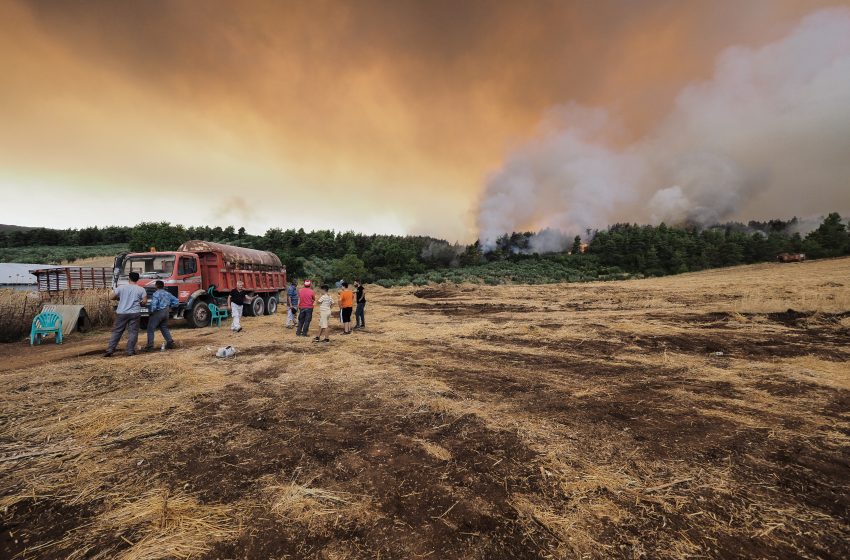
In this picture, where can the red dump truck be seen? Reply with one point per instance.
(202, 272)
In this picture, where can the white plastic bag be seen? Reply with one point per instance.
(225, 352)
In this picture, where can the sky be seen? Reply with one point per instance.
(372, 116)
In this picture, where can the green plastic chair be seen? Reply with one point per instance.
(46, 322)
(217, 314)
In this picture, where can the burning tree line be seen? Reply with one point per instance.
(618, 251)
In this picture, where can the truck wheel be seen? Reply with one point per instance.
(256, 307)
(199, 316)
(271, 304)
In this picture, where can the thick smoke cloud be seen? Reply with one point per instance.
(394, 111)
(767, 136)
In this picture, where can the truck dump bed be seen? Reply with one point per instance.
(224, 265)
(238, 256)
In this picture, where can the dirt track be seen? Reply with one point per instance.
(690, 416)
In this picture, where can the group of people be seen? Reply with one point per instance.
(131, 299)
(299, 302)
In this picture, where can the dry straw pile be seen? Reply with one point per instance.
(18, 308)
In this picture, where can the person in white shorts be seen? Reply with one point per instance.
(325, 304)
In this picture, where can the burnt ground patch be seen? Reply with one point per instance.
(782, 386)
(464, 309)
(589, 347)
(823, 343)
(817, 475)
(792, 318)
(456, 507)
(643, 412)
(827, 343)
(442, 292)
(635, 398)
(714, 320)
(33, 522)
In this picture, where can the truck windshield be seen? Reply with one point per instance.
(154, 266)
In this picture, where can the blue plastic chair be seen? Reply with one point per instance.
(46, 322)
(217, 314)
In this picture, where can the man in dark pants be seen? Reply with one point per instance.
(161, 304)
(306, 301)
(131, 298)
(360, 298)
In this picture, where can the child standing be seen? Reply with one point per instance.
(325, 304)
(346, 303)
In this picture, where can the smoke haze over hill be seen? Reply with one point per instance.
(768, 134)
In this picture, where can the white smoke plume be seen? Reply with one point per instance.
(767, 136)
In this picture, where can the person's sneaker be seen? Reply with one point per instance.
(326, 340)
(131, 354)
(316, 339)
(147, 348)
(107, 354)
(239, 329)
(170, 345)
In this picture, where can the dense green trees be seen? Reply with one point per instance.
(161, 236)
(622, 249)
(658, 250)
(28, 237)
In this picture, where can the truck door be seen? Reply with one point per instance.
(188, 277)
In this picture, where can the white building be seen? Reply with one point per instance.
(17, 275)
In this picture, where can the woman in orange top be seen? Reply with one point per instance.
(346, 302)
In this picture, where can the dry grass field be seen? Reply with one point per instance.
(704, 415)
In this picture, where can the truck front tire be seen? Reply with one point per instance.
(199, 316)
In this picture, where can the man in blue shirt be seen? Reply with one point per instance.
(161, 303)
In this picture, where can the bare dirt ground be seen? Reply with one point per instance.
(698, 416)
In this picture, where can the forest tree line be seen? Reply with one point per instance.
(621, 250)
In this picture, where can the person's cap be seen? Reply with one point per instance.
(308, 283)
